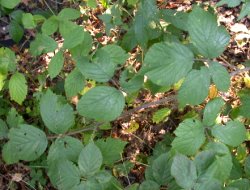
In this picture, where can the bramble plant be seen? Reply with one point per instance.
(178, 52)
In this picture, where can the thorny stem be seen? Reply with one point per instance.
(239, 71)
(227, 64)
(96, 126)
(164, 100)
(147, 105)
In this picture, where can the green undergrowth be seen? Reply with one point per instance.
(178, 51)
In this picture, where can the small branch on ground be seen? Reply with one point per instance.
(96, 126)
(239, 71)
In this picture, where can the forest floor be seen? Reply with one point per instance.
(138, 127)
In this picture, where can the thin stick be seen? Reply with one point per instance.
(125, 114)
(76, 131)
(49, 7)
(147, 105)
(239, 71)
(227, 63)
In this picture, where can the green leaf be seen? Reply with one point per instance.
(27, 142)
(50, 26)
(189, 137)
(178, 18)
(131, 85)
(17, 15)
(237, 170)
(74, 83)
(184, 171)
(149, 185)
(129, 40)
(132, 2)
(212, 110)
(3, 130)
(73, 38)
(209, 38)
(245, 103)
(90, 160)
(240, 184)
(245, 10)
(9, 4)
(146, 15)
(91, 3)
(117, 55)
(8, 155)
(107, 19)
(2, 80)
(16, 31)
(161, 114)
(195, 87)
(99, 100)
(111, 149)
(7, 61)
(56, 115)
(42, 44)
(208, 184)
(84, 48)
(230, 3)
(65, 148)
(161, 169)
(233, 134)
(221, 167)
(66, 27)
(220, 76)
(167, 63)
(102, 70)
(247, 166)
(65, 175)
(13, 118)
(203, 160)
(56, 64)
(18, 88)
(69, 14)
(28, 21)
